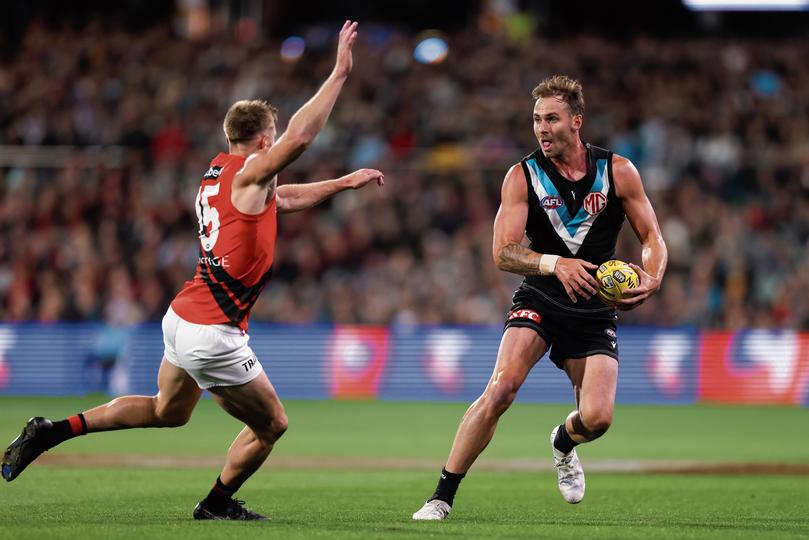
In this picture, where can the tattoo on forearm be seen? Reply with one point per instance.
(518, 259)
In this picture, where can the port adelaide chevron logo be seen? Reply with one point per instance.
(594, 203)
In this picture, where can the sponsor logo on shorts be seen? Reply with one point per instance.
(551, 201)
(249, 364)
(594, 203)
(610, 332)
(525, 314)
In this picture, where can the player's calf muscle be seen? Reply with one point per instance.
(134, 411)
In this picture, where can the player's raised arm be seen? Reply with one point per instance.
(295, 197)
(306, 123)
(641, 216)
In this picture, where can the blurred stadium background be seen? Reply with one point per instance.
(110, 112)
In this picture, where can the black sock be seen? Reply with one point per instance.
(63, 430)
(447, 486)
(219, 496)
(562, 441)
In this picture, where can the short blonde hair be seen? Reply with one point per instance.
(568, 89)
(247, 118)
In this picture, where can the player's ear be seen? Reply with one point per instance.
(578, 120)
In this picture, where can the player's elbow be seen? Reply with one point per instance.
(504, 257)
(497, 256)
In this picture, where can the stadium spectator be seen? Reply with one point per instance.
(718, 129)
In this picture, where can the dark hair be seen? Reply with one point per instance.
(247, 118)
(565, 87)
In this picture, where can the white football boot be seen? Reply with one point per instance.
(432, 511)
(569, 471)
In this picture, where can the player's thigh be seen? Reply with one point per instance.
(255, 403)
(520, 350)
(594, 379)
(177, 392)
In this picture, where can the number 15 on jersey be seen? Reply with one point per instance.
(207, 217)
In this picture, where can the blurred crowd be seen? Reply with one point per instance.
(718, 129)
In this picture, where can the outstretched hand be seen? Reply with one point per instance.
(344, 61)
(359, 178)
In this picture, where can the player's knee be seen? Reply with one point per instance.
(279, 426)
(597, 423)
(501, 395)
(168, 416)
(273, 430)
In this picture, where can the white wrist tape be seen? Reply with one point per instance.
(547, 264)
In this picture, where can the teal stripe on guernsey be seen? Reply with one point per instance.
(598, 185)
(547, 185)
(573, 223)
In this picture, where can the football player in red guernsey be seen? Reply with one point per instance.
(205, 329)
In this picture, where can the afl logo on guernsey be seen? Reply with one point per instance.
(551, 201)
(594, 203)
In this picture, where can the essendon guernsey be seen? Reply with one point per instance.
(235, 252)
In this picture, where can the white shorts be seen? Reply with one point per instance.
(213, 354)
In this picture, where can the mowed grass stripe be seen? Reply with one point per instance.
(107, 503)
(416, 430)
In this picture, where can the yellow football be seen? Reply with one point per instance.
(614, 277)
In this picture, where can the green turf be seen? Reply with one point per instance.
(425, 430)
(102, 503)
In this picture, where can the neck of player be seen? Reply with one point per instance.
(572, 163)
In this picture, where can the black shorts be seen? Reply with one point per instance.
(570, 334)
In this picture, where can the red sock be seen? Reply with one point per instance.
(77, 424)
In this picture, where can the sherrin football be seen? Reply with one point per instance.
(614, 277)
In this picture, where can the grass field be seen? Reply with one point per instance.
(359, 470)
